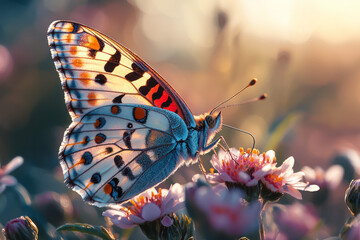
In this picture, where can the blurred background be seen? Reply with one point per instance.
(305, 54)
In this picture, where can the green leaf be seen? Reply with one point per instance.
(98, 231)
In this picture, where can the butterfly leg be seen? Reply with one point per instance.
(202, 168)
(217, 141)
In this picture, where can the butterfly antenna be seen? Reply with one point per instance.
(252, 83)
(262, 97)
(237, 129)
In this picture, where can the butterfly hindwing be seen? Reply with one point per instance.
(114, 152)
(96, 71)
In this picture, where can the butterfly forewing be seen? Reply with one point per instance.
(96, 70)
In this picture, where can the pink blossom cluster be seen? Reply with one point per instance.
(250, 168)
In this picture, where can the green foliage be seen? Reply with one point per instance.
(98, 231)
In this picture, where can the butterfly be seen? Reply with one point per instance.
(130, 129)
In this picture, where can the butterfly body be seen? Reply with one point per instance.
(130, 129)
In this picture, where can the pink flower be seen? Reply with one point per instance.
(149, 206)
(354, 232)
(5, 179)
(329, 179)
(241, 167)
(283, 180)
(226, 211)
(295, 221)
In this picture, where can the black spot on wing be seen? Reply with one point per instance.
(113, 62)
(158, 93)
(144, 161)
(76, 27)
(118, 160)
(167, 103)
(100, 79)
(95, 178)
(136, 74)
(137, 69)
(128, 173)
(87, 158)
(150, 83)
(127, 138)
(92, 53)
(101, 43)
(132, 76)
(118, 99)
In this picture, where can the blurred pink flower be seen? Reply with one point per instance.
(6, 63)
(330, 178)
(295, 221)
(241, 167)
(148, 207)
(283, 179)
(354, 232)
(227, 211)
(5, 179)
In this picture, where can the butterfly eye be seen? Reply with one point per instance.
(210, 121)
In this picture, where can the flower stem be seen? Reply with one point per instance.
(261, 228)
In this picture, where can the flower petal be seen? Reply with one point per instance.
(270, 154)
(13, 164)
(150, 212)
(292, 191)
(167, 221)
(310, 173)
(288, 164)
(334, 175)
(124, 223)
(8, 180)
(113, 213)
(136, 219)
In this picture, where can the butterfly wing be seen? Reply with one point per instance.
(114, 152)
(95, 71)
(129, 125)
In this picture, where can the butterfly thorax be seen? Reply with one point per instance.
(207, 125)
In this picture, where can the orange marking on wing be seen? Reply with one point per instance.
(68, 38)
(154, 135)
(89, 41)
(139, 113)
(73, 50)
(82, 142)
(68, 28)
(88, 185)
(172, 107)
(77, 62)
(85, 78)
(97, 123)
(92, 43)
(98, 139)
(107, 188)
(152, 91)
(115, 109)
(92, 99)
(82, 160)
(162, 99)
